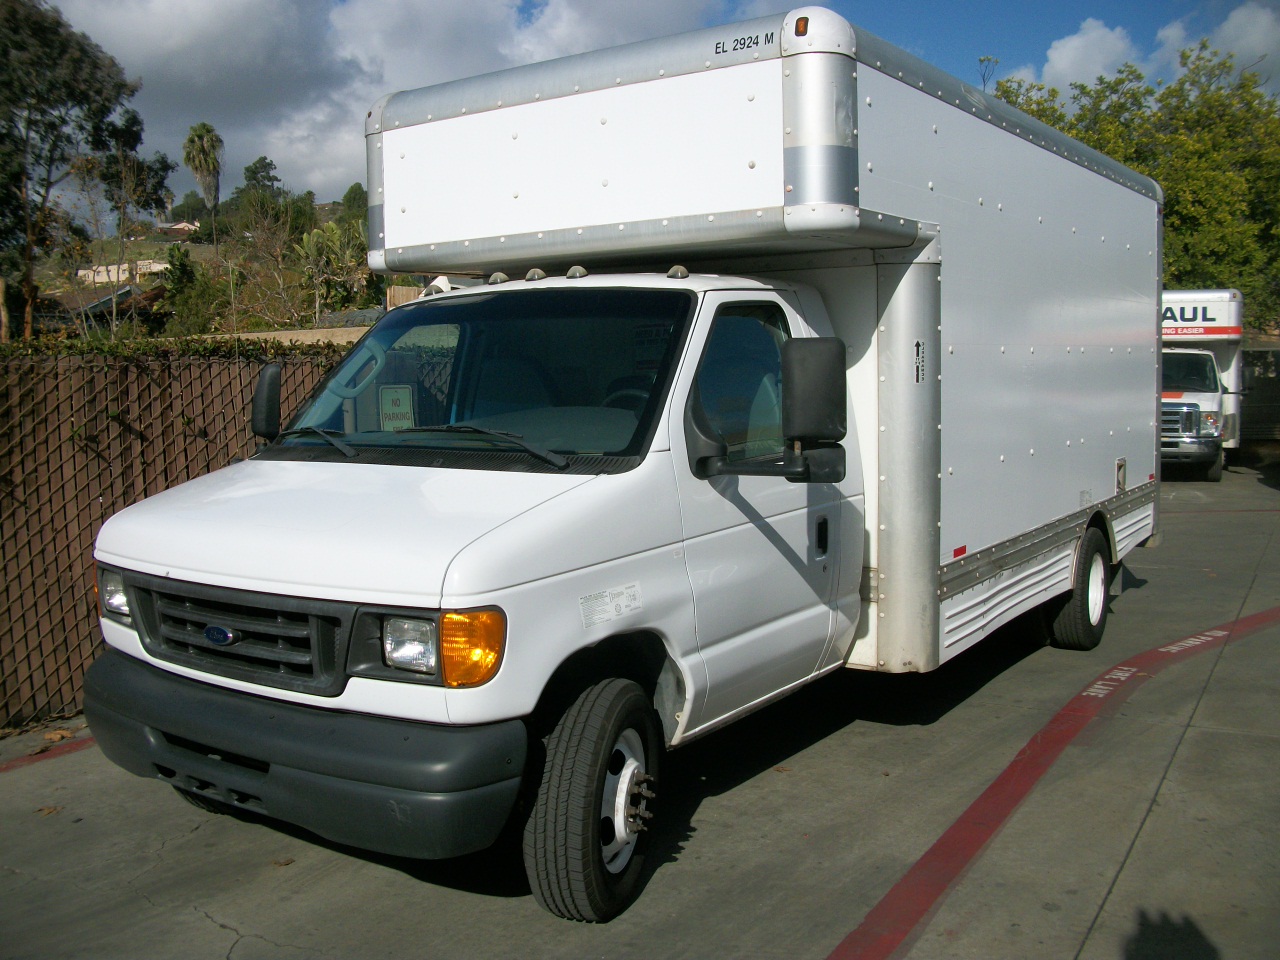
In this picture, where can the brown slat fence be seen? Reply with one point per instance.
(81, 438)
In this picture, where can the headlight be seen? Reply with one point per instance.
(410, 644)
(457, 648)
(1210, 425)
(112, 599)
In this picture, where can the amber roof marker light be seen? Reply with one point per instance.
(802, 26)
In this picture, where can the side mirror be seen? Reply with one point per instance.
(265, 418)
(815, 407)
(814, 420)
(814, 391)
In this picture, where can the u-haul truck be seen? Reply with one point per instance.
(1203, 377)
(794, 355)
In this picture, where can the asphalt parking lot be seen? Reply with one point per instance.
(1021, 802)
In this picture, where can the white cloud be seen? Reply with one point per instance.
(223, 59)
(1162, 64)
(259, 70)
(561, 27)
(1092, 51)
(1252, 33)
(292, 79)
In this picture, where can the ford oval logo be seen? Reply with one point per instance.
(221, 635)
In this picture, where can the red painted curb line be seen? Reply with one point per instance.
(914, 897)
(61, 750)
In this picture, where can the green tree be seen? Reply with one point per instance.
(195, 299)
(1211, 139)
(986, 69)
(188, 208)
(355, 205)
(333, 260)
(1040, 101)
(57, 89)
(267, 229)
(1218, 138)
(202, 155)
(11, 231)
(260, 176)
(313, 256)
(132, 183)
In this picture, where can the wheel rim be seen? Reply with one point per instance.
(623, 802)
(1097, 588)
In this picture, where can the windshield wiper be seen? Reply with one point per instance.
(547, 456)
(329, 436)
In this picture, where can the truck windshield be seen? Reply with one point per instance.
(1189, 372)
(532, 380)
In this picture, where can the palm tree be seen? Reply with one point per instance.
(202, 153)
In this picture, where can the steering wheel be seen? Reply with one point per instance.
(378, 353)
(627, 398)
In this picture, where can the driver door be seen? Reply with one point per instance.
(761, 551)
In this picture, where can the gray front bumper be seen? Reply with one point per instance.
(394, 786)
(1190, 449)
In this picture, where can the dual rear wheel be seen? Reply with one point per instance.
(1076, 621)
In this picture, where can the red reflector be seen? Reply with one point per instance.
(802, 26)
(959, 552)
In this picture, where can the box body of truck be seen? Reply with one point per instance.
(795, 354)
(1202, 332)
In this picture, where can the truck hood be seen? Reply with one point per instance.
(1205, 401)
(368, 533)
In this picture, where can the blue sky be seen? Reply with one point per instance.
(1020, 34)
(292, 79)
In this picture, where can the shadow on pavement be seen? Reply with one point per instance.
(1162, 938)
(725, 760)
(730, 757)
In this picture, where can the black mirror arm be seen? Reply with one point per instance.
(794, 465)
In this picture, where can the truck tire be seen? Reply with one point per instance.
(1078, 625)
(585, 840)
(1213, 473)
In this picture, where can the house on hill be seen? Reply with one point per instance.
(182, 230)
(121, 273)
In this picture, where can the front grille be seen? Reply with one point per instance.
(1179, 420)
(286, 642)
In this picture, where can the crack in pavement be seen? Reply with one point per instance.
(240, 937)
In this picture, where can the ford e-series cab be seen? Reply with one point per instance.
(785, 356)
(1202, 332)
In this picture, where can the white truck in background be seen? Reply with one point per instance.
(1202, 377)
(795, 354)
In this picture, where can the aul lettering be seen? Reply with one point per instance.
(1187, 315)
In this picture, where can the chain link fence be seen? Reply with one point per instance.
(81, 438)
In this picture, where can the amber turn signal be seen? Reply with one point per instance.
(471, 643)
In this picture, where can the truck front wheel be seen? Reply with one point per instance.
(1078, 625)
(1213, 472)
(586, 839)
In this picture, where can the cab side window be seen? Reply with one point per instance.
(739, 381)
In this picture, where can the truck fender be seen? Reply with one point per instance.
(641, 656)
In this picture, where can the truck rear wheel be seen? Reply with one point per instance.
(1078, 625)
(586, 840)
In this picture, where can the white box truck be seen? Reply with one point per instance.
(1202, 378)
(795, 354)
